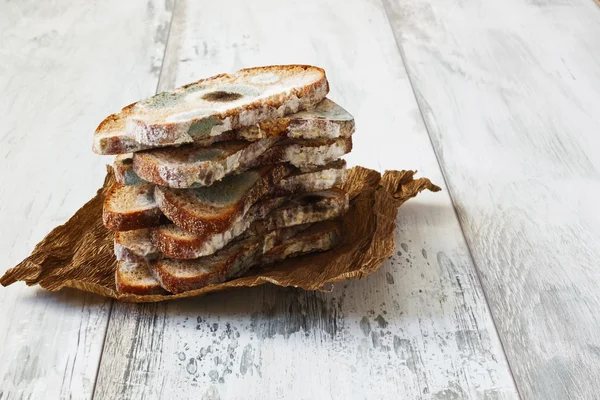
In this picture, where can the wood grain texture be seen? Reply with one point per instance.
(417, 328)
(66, 64)
(510, 92)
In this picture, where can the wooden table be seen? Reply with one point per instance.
(494, 292)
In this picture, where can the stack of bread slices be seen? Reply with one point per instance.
(222, 175)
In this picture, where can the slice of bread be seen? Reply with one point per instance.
(304, 153)
(124, 173)
(327, 120)
(135, 278)
(321, 236)
(174, 242)
(182, 275)
(323, 176)
(313, 179)
(177, 243)
(135, 246)
(308, 208)
(215, 105)
(130, 207)
(305, 179)
(238, 257)
(278, 236)
(269, 215)
(124, 212)
(212, 210)
(194, 166)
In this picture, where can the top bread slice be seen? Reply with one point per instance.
(327, 120)
(212, 106)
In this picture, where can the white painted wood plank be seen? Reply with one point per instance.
(418, 328)
(65, 65)
(511, 92)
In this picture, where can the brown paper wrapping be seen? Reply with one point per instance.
(79, 254)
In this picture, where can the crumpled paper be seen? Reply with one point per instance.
(79, 253)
